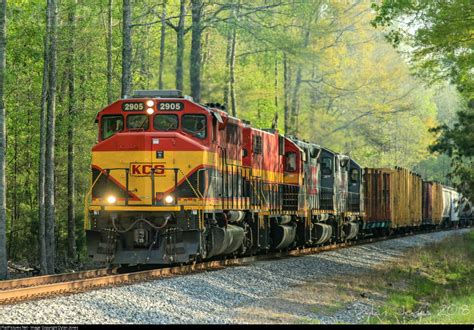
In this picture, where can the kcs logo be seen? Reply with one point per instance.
(145, 169)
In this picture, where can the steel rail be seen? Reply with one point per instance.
(50, 279)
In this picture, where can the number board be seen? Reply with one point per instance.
(171, 106)
(133, 106)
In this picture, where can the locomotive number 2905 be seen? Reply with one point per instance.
(171, 106)
(133, 106)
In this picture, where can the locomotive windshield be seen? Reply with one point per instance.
(195, 125)
(165, 122)
(111, 125)
(137, 122)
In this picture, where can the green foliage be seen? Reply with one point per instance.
(439, 34)
(458, 143)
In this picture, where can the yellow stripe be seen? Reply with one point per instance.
(142, 208)
(184, 160)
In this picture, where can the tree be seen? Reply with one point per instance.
(441, 47)
(110, 97)
(442, 41)
(70, 62)
(458, 143)
(162, 45)
(195, 59)
(42, 150)
(50, 206)
(3, 207)
(229, 90)
(127, 49)
(180, 32)
(313, 16)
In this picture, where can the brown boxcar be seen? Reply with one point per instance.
(432, 203)
(393, 197)
(377, 197)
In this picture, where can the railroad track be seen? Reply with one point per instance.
(14, 291)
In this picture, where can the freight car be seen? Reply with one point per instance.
(451, 199)
(432, 203)
(175, 181)
(466, 212)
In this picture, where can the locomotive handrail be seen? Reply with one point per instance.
(86, 202)
(197, 193)
(237, 171)
(259, 191)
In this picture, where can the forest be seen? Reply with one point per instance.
(388, 83)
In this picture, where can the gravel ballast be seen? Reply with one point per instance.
(215, 297)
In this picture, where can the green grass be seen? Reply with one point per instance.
(434, 284)
(308, 320)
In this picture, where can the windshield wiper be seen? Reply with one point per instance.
(139, 128)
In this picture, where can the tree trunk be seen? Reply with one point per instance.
(206, 52)
(286, 92)
(127, 49)
(233, 101)
(162, 45)
(275, 83)
(229, 94)
(294, 99)
(227, 70)
(294, 110)
(42, 162)
(110, 97)
(14, 213)
(3, 185)
(71, 226)
(180, 46)
(195, 58)
(142, 54)
(50, 139)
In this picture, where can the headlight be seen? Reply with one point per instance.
(150, 111)
(169, 199)
(111, 199)
(150, 103)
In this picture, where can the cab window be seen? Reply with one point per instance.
(165, 122)
(354, 175)
(257, 145)
(196, 125)
(290, 165)
(326, 166)
(137, 122)
(111, 125)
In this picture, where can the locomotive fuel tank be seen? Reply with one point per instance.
(322, 233)
(225, 240)
(351, 229)
(283, 236)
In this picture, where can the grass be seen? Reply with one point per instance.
(434, 284)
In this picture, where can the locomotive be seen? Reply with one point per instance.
(175, 181)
